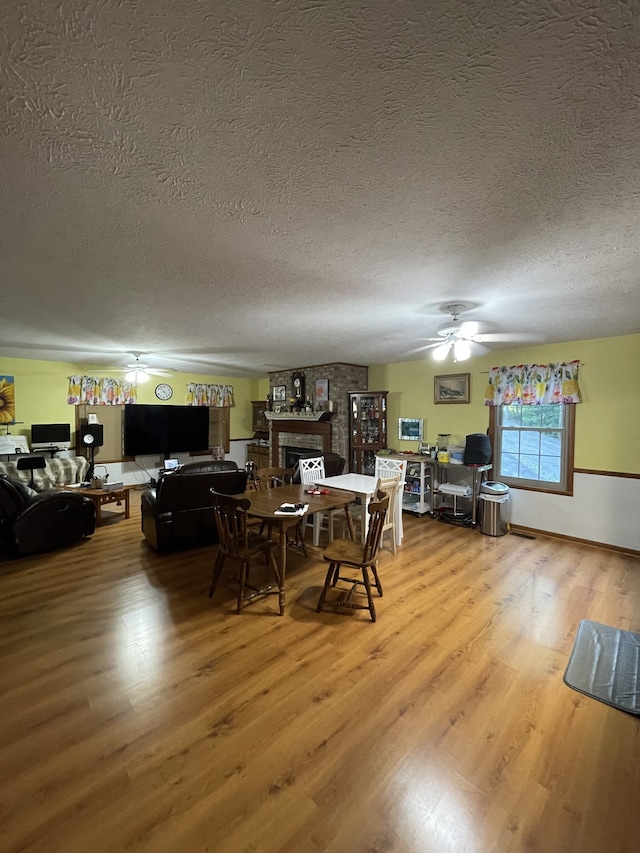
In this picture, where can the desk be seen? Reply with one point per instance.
(362, 485)
(264, 503)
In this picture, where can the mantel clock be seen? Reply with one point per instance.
(297, 380)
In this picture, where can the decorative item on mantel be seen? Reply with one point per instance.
(298, 383)
(298, 416)
(322, 390)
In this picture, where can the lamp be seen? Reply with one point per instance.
(30, 463)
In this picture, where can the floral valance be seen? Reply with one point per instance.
(100, 391)
(218, 396)
(533, 385)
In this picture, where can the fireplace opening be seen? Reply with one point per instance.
(292, 454)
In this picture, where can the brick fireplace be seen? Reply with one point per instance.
(327, 435)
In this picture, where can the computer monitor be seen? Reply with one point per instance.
(44, 436)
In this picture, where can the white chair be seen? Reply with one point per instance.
(390, 486)
(387, 467)
(312, 470)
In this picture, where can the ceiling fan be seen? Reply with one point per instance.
(139, 371)
(454, 335)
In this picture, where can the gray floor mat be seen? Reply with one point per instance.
(605, 664)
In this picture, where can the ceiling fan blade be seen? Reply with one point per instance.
(157, 372)
(468, 329)
(425, 347)
(505, 337)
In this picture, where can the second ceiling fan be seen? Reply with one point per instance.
(139, 371)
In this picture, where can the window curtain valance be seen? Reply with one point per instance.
(100, 391)
(533, 385)
(218, 396)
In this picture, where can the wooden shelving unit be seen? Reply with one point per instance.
(367, 429)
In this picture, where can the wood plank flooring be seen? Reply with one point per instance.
(139, 715)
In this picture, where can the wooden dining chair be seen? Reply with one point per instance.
(350, 554)
(239, 543)
(387, 467)
(390, 486)
(273, 478)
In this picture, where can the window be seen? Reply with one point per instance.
(533, 446)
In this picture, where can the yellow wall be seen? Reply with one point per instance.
(607, 421)
(41, 392)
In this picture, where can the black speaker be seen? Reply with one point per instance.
(92, 435)
(477, 449)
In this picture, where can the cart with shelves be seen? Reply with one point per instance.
(417, 495)
(418, 484)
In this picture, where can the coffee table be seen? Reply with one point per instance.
(100, 497)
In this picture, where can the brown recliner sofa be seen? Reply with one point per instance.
(178, 512)
(32, 522)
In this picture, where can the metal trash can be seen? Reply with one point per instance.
(494, 508)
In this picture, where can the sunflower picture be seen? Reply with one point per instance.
(7, 400)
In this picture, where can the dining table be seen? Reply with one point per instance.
(265, 502)
(361, 485)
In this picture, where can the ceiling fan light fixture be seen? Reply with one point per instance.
(137, 376)
(442, 351)
(461, 350)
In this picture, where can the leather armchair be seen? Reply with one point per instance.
(178, 513)
(30, 523)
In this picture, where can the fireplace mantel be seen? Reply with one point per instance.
(299, 426)
(297, 416)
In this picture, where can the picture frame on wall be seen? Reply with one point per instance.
(279, 393)
(322, 390)
(453, 388)
(410, 429)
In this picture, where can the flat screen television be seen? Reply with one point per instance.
(50, 435)
(165, 429)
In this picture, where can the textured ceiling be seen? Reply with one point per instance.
(235, 187)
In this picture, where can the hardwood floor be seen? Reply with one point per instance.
(137, 714)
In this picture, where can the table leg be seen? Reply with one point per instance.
(474, 497)
(347, 512)
(98, 505)
(283, 565)
(126, 503)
